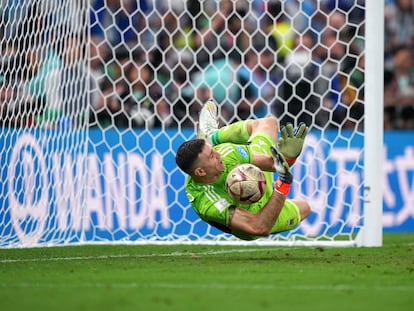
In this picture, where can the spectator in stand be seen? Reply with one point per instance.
(224, 31)
(242, 90)
(353, 96)
(398, 75)
(15, 104)
(257, 83)
(399, 26)
(116, 29)
(30, 55)
(399, 90)
(109, 106)
(295, 101)
(69, 86)
(210, 41)
(172, 60)
(337, 56)
(41, 57)
(221, 48)
(172, 31)
(329, 85)
(219, 77)
(145, 105)
(97, 66)
(117, 22)
(237, 33)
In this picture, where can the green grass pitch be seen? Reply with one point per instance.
(104, 277)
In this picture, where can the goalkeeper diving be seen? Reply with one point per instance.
(209, 158)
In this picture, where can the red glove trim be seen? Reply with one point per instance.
(290, 161)
(282, 187)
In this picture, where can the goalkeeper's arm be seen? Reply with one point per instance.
(261, 223)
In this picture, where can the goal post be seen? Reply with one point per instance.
(371, 234)
(97, 96)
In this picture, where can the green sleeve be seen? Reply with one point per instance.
(211, 204)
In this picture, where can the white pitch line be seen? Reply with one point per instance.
(174, 254)
(216, 286)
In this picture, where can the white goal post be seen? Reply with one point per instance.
(96, 97)
(371, 234)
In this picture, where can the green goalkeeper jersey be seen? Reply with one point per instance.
(211, 201)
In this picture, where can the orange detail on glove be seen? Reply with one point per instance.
(282, 187)
(290, 161)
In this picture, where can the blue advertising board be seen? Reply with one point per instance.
(398, 180)
(124, 185)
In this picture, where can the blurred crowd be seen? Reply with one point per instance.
(153, 63)
(399, 65)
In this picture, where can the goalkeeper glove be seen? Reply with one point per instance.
(285, 179)
(291, 143)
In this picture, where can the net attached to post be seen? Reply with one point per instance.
(96, 97)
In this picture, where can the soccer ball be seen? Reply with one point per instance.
(246, 183)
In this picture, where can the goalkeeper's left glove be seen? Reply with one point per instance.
(291, 143)
(285, 179)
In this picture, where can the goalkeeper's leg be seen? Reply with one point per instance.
(243, 132)
(239, 132)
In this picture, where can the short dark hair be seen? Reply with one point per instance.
(187, 154)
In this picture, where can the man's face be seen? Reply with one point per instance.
(210, 163)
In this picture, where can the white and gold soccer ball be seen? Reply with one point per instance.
(246, 183)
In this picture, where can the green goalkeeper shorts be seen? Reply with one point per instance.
(288, 219)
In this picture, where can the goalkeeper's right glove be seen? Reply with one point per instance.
(285, 179)
(292, 140)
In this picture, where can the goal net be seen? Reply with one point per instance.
(96, 96)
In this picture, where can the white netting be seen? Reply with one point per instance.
(96, 96)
